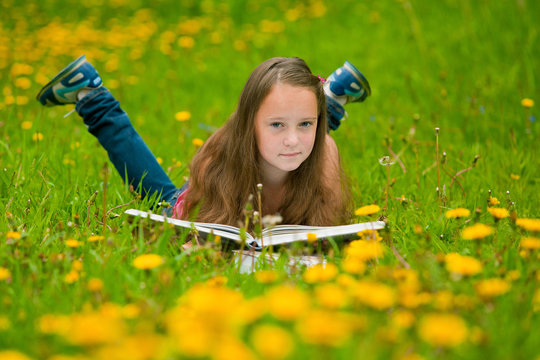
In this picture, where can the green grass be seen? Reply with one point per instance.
(459, 66)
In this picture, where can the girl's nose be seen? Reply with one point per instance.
(291, 138)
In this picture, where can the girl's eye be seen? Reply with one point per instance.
(276, 125)
(306, 123)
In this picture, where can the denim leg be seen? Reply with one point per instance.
(131, 157)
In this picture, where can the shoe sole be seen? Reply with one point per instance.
(61, 75)
(358, 75)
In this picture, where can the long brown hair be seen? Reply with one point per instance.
(226, 170)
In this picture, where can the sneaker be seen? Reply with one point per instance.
(65, 86)
(347, 84)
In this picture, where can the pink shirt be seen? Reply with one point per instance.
(178, 212)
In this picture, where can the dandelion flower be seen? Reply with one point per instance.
(457, 213)
(331, 296)
(272, 342)
(529, 224)
(95, 238)
(446, 330)
(26, 125)
(266, 276)
(198, 142)
(374, 294)
(71, 277)
(37, 136)
(327, 328)
(311, 237)
(367, 210)
(159, 160)
(527, 103)
(498, 213)
(183, 116)
(94, 285)
(287, 303)
(403, 318)
(4, 273)
(13, 355)
(364, 250)
(186, 42)
(476, 232)
(514, 177)
(13, 235)
(23, 83)
(147, 261)
(320, 273)
(490, 288)
(73, 243)
(463, 265)
(493, 201)
(530, 243)
(369, 234)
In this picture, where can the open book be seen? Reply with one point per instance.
(276, 235)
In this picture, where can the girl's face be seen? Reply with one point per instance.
(285, 129)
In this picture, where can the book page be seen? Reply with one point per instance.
(299, 233)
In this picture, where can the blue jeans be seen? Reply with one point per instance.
(129, 154)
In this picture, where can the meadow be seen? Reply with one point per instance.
(455, 275)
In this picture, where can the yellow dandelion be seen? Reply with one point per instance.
(73, 243)
(457, 213)
(463, 265)
(21, 69)
(369, 234)
(147, 261)
(352, 265)
(186, 42)
(198, 142)
(490, 288)
(320, 273)
(403, 319)
(272, 342)
(77, 265)
(13, 355)
(94, 285)
(287, 303)
(331, 296)
(4, 273)
(13, 235)
(71, 277)
(498, 213)
(9, 100)
(5, 324)
(373, 294)
(266, 276)
(183, 116)
(530, 243)
(21, 100)
(493, 201)
(445, 330)
(37, 136)
(367, 210)
(159, 160)
(529, 224)
(95, 238)
(23, 83)
(514, 177)
(476, 232)
(327, 328)
(364, 250)
(311, 237)
(527, 103)
(26, 125)
(131, 311)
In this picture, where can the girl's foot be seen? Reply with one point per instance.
(343, 86)
(64, 87)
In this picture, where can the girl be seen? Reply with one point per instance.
(277, 137)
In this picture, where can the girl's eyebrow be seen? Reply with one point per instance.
(284, 118)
